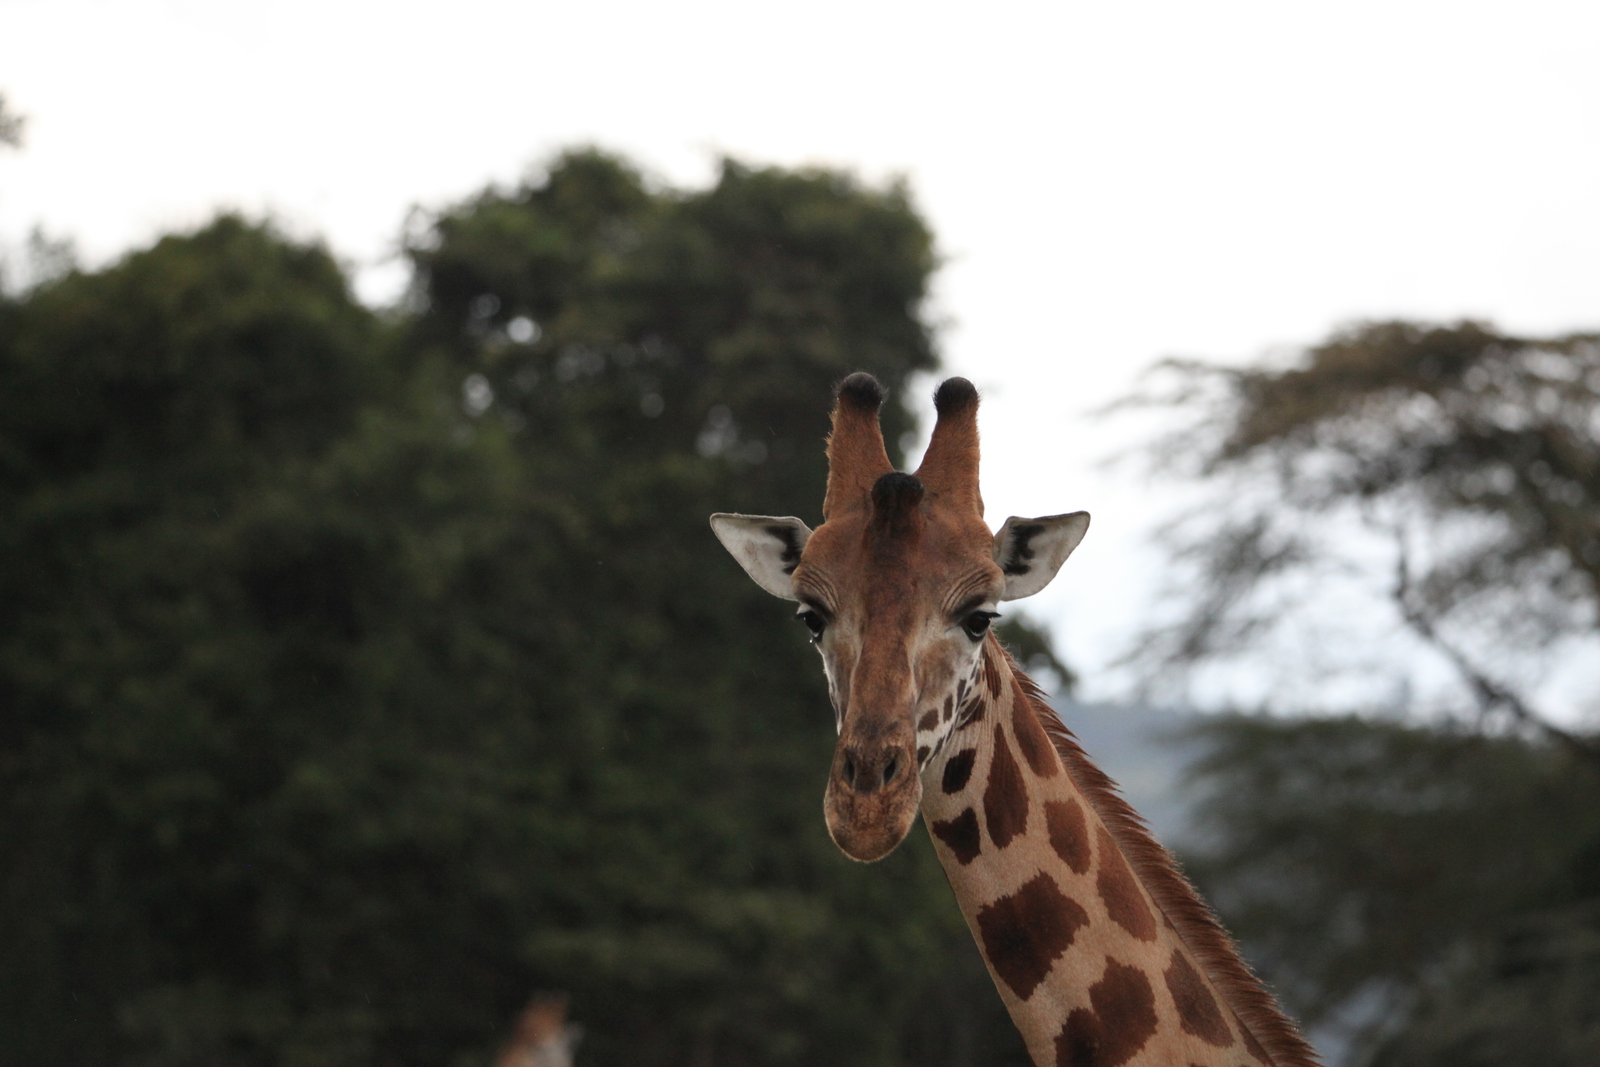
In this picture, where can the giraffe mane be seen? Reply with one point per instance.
(1196, 924)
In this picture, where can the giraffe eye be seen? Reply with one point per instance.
(813, 623)
(977, 624)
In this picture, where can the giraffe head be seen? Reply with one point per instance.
(898, 587)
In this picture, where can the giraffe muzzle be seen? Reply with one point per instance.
(873, 795)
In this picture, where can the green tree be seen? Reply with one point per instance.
(362, 674)
(162, 659)
(652, 358)
(1428, 888)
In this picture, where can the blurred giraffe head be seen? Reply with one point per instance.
(898, 587)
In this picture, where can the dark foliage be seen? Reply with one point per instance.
(1429, 892)
(361, 674)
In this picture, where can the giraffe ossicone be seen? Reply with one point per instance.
(1100, 949)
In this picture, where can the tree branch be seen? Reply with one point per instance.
(1491, 695)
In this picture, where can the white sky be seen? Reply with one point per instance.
(1109, 183)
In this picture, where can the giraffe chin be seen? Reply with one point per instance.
(868, 828)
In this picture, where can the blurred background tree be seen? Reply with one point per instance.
(10, 125)
(1428, 886)
(362, 673)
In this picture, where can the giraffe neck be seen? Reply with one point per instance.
(1100, 949)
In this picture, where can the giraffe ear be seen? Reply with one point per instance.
(1030, 551)
(767, 548)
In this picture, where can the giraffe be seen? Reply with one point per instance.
(543, 1037)
(1101, 950)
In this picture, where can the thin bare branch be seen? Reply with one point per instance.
(1491, 695)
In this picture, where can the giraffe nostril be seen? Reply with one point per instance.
(891, 768)
(848, 771)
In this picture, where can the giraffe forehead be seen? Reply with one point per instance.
(933, 565)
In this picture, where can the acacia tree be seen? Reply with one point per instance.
(1412, 881)
(1453, 470)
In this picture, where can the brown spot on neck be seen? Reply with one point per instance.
(1069, 833)
(957, 770)
(1005, 798)
(1262, 1025)
(1025, 932)
(960, 836)
(1120, 1019)
(1197, 1007)
(1120, 891)
(1031, 739)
